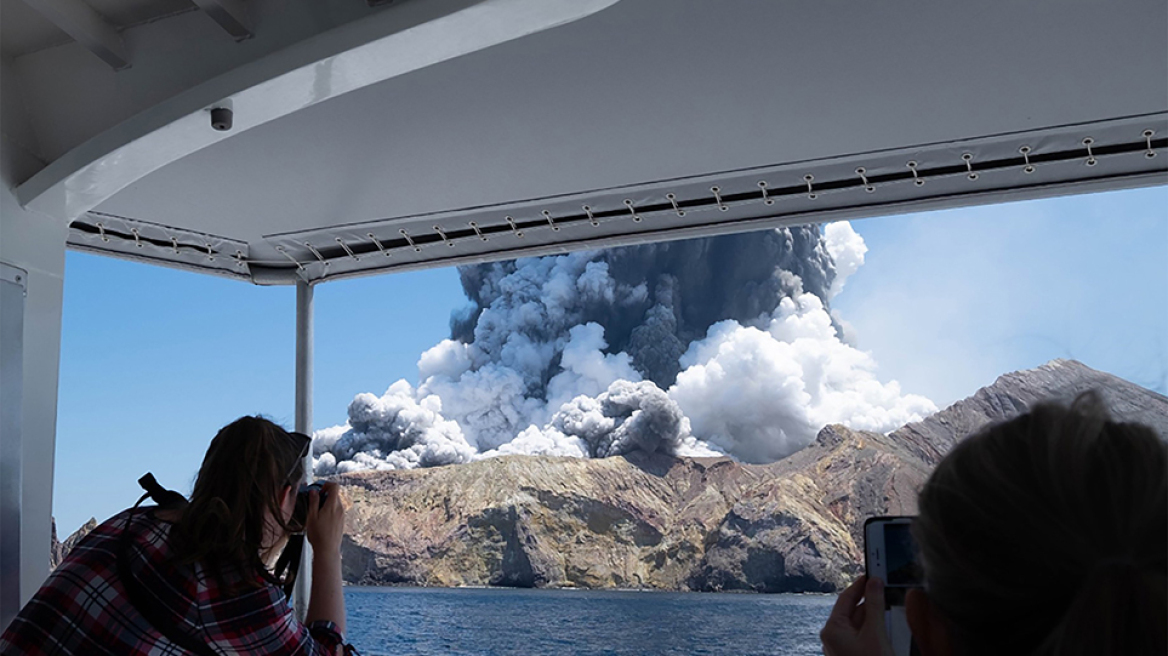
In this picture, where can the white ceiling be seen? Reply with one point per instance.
(652, 91)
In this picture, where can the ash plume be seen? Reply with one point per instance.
(652, 299)
(722, 345)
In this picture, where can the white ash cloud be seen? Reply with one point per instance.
(762, 393)
(709, 346)
(847, 249)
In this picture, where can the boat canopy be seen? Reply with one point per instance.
(431, 133)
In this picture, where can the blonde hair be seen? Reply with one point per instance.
(1048, 534)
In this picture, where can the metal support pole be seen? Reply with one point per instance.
(13, 283)
(32, 251)
(304, 341)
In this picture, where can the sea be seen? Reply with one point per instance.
(512, 622)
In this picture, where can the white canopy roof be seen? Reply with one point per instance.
(428, 133)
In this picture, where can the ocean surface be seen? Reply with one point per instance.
(508, 622)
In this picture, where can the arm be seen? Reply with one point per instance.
(325, 527)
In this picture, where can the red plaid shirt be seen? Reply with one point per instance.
(83, 608)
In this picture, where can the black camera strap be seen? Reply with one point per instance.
(288, 565)
(136, 592)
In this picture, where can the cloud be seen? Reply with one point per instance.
(847, 249)
(717, 345)
(764, 393)
(397, 430)
(628, 416)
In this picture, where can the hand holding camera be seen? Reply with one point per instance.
(324, 516)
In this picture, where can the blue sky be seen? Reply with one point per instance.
(154, 361)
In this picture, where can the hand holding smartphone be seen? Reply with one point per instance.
(890, 554)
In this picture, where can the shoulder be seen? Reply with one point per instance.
(83, 598)
(139, 542)
(103, 542)
(133, 520)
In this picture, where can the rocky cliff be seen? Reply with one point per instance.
(58, 550)
(653, 521)
(1011, 394)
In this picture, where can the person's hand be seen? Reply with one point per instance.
(324, 528)
(855, 628)
(326, 523)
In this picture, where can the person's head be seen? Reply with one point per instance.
(1046, 534)
(243, 497)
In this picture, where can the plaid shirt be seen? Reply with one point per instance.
(83, 608)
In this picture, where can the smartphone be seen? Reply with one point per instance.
(890, 554)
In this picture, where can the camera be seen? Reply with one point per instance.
(300, 513)
(222, 118)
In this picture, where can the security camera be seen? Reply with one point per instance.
(221, 119)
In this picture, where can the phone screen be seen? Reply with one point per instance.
(902, 568)
(891, 555)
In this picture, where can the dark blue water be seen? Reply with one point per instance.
(507, 622)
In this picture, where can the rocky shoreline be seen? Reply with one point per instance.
(652, 521)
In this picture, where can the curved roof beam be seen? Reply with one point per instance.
(85, 26)
(231, 15)
(325, 66)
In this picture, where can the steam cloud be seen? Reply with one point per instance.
(723, 345)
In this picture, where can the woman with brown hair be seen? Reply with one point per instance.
(1043, 535)
(195, 578)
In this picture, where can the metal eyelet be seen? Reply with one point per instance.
(917, 179)
(410, 240)
(968, 158)
(514, 228)
(718, 197)
(548, 215)
(762, 185)
(377, 243)
(348, 250)
(442, 234)
(863, 173)
(1029, 168)
(633, 211)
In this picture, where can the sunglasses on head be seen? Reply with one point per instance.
(304, 443)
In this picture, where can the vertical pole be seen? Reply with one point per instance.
(32, 246)
(304, 341)
(12, 294)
